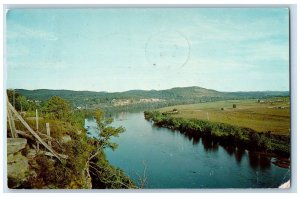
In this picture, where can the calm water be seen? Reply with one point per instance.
(173, 160)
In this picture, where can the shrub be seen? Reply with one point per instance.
(225, 133)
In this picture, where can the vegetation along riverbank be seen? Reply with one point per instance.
(223, 133)
(84, 166)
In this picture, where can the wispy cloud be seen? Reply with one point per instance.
(223, 29)
(263, 51)
(210, 65)
(120, 47)
(19, 31)
(17, 51)
(50, 65)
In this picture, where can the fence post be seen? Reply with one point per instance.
(11, 124)
(48, 133)
(36, 120)
(58, 156)
(11, 121)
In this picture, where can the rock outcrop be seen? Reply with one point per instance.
(15, 144)
(17, 164)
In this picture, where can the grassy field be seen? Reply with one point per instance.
(271, 114)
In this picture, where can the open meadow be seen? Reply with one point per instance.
(272, 114)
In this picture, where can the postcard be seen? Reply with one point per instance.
(148, 98)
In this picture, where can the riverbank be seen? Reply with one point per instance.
(225, 134)
(171, 159)
(80, 162)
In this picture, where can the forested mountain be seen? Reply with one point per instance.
(185, 92)
(142, 99)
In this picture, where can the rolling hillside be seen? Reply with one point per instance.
(143, 99)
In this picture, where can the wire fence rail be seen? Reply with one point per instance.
(33, 135)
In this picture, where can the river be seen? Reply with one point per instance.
(173, 160)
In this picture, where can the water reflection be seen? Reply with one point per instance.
(120, 116)
(239, 153)
(256, 160)
(260, 160)
(91, 127)
(264, 162)
(253, 159)
(209, 144)
(229, 149)
(171, 157)
(196, 140)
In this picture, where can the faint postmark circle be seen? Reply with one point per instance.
(167, 49)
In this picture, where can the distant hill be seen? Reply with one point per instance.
(184, 92)
(173, 96)
(178, 92)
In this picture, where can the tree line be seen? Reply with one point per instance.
(225, 134)
(86, 158)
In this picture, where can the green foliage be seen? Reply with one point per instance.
(19, 101)
(12, 95)
(73, 172)
(106, 131)
(69, 174)
(105, 176)
(98, 115)
(23, 103)
(57, 107)
(170, 97)
(224, 133)
(76, 118)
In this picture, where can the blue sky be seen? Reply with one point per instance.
(227, 49)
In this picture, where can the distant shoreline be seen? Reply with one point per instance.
(134, 89)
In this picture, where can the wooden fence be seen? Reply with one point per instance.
(36, 135)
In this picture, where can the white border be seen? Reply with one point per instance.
(192, 3)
